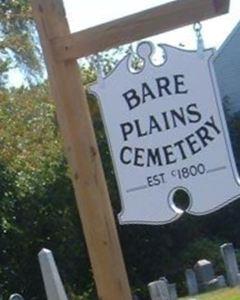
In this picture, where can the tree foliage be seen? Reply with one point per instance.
(37, 207)
(18, 40)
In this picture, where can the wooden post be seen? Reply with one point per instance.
(60, 51)
(83, 156)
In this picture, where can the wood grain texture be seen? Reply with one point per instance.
(135, 27)
(83, 156)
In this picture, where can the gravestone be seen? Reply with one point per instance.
(204, 272)
(191, 281)
(159, 290)
(205, 275)
(206, 278)
(16, 297)
(172, 289)
(221, 282)
(230, 262)
(52, 281)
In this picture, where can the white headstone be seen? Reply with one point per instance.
(221, 282)
(159, 290)
(172, 289)
(191, 281)
(166, 129)
(52, 281)
(231, 265)
(204, 271)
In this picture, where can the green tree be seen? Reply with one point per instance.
(18, 40)
(37, 207)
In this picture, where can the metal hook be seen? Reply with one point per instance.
(197, 27)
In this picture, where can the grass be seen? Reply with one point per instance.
(223, 294)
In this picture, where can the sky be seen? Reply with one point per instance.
(82, 14)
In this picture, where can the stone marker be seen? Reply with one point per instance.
(52, 281)
(204, 274)
(206, 278)
(230, 262)
(191, 281)
(159, 290)
(212, 285)
(221, 282)
(16, 297)
(172, 289)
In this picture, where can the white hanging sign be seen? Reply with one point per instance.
(166, 129)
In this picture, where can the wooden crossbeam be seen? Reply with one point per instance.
(137, 26)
